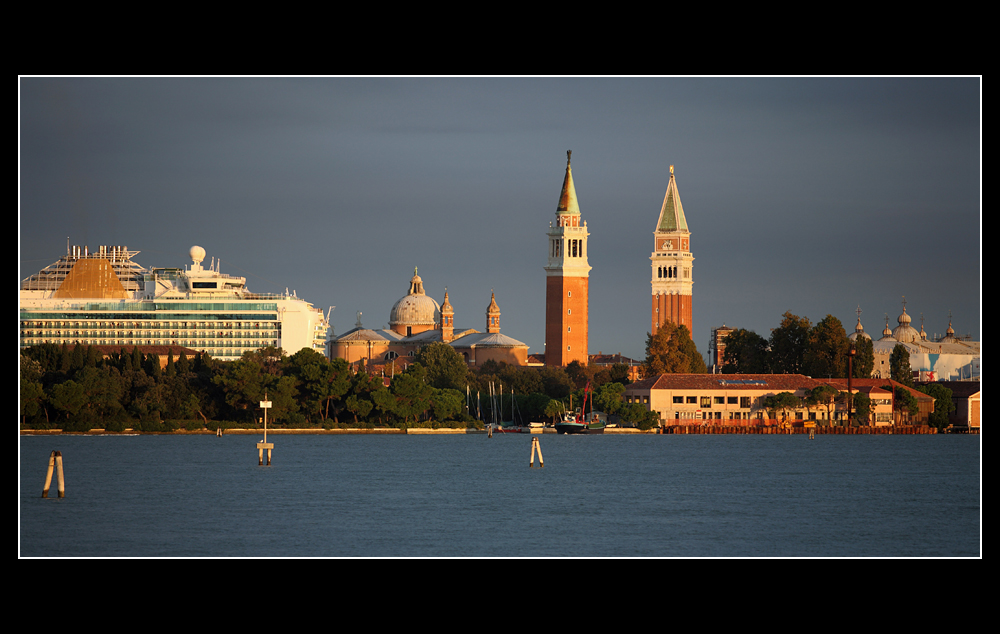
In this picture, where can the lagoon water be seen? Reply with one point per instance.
(474, 496)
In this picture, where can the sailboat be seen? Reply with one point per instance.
(578, 424)
(511, 426)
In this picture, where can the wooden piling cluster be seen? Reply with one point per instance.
(536, 447)
(55, 462)
(775, 430)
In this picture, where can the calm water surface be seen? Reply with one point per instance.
(473, 496)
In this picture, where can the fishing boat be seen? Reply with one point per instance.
(579, 424)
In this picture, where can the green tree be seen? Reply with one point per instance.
(411, 393)
(943, 405)
(578, 374)
(32, 399)
(782, 401)
(671, 350)
(359, 406)
(554, 410)
(899, 365)
(904, 402)
(862, 409)
(863, 364)
(556, 383)
(243, 383)
(788, 344)
(319, 381)
(446, 404)
(746, 352)
(826, 349)
(823, 395)
(638, 415)
(446, 369)
(68, 398)
(609, 398)
(619, 374)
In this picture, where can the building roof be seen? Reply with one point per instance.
(672, 212)
(567, 197)
(416, 307)
(777, 382)
(362, 334)
(858, 384)
(486, 340)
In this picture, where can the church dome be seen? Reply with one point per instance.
(859, 330)
(415, 309)
(904, 332)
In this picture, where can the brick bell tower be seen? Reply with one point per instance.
(672, 264)
(567, 281)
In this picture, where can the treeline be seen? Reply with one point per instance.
(74, 388)
(797, 346)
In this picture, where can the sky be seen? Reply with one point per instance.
(814, 195)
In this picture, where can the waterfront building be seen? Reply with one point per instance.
(738, 399)
(672, 264)
(417, 320)
(105, 298)
(567, 279)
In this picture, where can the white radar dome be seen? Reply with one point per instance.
(197, 254)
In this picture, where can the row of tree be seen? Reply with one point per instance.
(75, 388)
(797, 346)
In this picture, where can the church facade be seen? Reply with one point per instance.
(417, 320)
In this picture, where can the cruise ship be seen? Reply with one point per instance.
(105, 298)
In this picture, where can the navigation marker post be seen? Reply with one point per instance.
(55, 460)
(534, 446)
(261, 446)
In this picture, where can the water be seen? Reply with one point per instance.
(473, 496)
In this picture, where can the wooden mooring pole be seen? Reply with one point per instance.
(55, 461)
(536, 446)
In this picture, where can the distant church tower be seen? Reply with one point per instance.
(671, 264)
(567, 277)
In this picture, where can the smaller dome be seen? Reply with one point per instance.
(197, 254)
(904, 332)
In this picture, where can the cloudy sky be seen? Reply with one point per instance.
(809, 195)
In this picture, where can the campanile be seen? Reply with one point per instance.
(671, 264)
(567, 281)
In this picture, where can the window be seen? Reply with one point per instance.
(706, 401)
(569, 293)
(678, 399)
(719, 400)
(745, 402)
(733, 400)
(693, 400)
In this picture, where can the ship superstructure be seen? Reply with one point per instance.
(103, 297)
